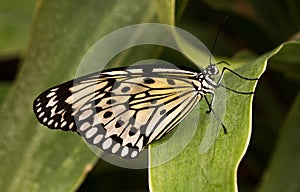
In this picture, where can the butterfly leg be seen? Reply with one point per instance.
(210, 103)
(219, 82)
(216, 116)
(235, 73)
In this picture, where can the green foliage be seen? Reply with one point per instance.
(35, 158)
(32, 158)
(15, 22)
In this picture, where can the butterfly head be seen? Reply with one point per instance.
(211, 70)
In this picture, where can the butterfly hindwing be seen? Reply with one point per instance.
(121, 110)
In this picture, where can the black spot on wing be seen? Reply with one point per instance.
(107, 114)
(119, 123)
(125, 89)
(170, 82)
(111, 101)
(149, 80)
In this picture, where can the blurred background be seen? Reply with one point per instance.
(258, 26)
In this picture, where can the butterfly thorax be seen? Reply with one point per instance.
(206, 83)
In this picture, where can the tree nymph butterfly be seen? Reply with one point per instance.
(122, 110)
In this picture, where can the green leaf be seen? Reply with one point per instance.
(287, 61)
(4, 88)
(283, 172)
(14, 24)
(212, 168)
(166, 14)
(33, 157)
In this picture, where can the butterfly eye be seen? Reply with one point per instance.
(213, 70)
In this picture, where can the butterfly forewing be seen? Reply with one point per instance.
(52, 110)
(121, 110)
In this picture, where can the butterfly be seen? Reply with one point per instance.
(122, 110)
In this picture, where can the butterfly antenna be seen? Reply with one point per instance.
(215, 41)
